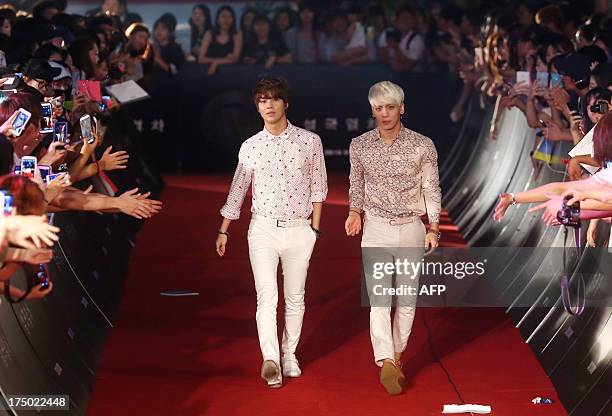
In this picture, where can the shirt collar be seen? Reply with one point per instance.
(285, 134)
(376, 136)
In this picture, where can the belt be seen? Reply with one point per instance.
(393, 221)
(281, 223)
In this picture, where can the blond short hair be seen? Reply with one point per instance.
(385, 92)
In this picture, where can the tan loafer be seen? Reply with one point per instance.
(392, 378)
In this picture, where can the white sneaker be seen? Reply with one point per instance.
(270, 372)
(291, 366)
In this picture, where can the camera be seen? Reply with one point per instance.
(601, 107)
(569, 215)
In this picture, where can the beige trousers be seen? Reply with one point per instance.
(391, 243)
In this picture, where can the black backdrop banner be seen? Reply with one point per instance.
(196, 123)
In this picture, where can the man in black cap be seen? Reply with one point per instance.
(576, 71)
(38, 76)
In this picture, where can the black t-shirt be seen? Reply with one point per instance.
(173, 54)
(261, 52)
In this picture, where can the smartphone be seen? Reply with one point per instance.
(46, 124)
(44, 171)
(52, 176)
(106, 102)
(42, 278)
(555, 80)
(17, 170)
(523, 76)
(86, 128)
(542, 79)
(21, 120)
(28, 166)
(60, 132)
(7, 202)
(96, 124)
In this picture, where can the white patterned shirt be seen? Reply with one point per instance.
(287, 173)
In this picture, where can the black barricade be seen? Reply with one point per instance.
(53, 346)
(573, 349)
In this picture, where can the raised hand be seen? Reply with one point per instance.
(113, 161)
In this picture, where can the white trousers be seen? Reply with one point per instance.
(387, 339)
(293, 246)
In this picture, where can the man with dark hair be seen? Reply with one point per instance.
(286, 168)
(576, 71)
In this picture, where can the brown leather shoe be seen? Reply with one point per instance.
(392, 378)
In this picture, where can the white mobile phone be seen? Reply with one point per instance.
(20, 122)
(523, 76)
(86, 129)
(28, 166)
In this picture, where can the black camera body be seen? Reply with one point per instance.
(569, 215)
(601, 107)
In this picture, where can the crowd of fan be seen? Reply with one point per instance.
(553, 64)
(53, 130)
(345, 33)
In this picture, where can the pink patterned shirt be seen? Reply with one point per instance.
(287, 173)
(396, 180)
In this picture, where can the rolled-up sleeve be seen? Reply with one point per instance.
(431, 183)
(318, 186)
(239, 188)
(356, 178)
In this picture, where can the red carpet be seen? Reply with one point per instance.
(200, 355)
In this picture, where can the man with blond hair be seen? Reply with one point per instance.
(393, 181)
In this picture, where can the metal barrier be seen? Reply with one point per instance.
(575, 350)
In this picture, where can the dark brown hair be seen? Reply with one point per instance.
(272, 88)
(79, 51)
